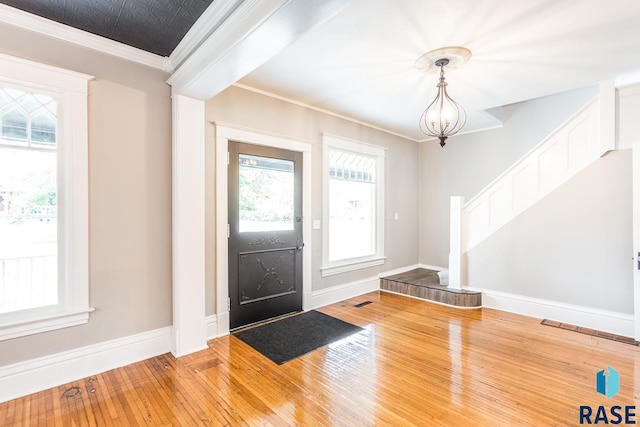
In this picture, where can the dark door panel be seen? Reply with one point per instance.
(265, 233)
(266, 274)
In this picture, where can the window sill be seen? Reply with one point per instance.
(351, 266)
(44, 323)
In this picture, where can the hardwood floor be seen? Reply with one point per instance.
(417, 363)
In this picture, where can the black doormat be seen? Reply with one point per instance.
(291, 337)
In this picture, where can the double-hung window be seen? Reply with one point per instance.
(43, 198)
(353, 205)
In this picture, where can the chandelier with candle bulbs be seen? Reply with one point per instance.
(443, 117)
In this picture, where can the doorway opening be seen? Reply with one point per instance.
(265, 233)
(226, 135)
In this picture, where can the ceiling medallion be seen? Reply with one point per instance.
(443, 117)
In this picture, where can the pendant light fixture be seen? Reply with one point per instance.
(443, 117)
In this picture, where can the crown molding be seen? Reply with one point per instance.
(215, 49)
(322, 110)
(47, 27)
(36, 74)
(209, 22)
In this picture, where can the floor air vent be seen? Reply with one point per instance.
(362, 304)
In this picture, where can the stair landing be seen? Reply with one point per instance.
(425, 284)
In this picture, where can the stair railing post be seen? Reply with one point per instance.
(455, 244)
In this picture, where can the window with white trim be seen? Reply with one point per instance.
(43, 198)
(353, 202)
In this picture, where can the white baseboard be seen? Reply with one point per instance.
(431, 267)
(342, 292)
(307, 297)
(339, 293)
(399, 270)
(22, 378)
(212, 326)
(601, 320)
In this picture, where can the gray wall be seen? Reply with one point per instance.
(469, 162)
(241, 107)
(129, 196)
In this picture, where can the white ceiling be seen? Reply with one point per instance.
(360, 63)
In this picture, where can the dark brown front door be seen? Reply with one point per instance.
(265, 233)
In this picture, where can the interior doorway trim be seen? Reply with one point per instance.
(636, 235)
(225, 132)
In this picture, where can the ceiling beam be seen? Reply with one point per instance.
(254, 32)
(208, 23)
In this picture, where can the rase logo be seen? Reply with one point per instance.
(608, 384)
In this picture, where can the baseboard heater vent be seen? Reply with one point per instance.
(588, 331)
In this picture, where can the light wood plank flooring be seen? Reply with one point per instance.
(418, 363)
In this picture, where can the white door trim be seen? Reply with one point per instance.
(636, 236)
(224, 133)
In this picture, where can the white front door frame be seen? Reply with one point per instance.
(636, 236)
(228, 132)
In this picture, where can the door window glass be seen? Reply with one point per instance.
(266, 189)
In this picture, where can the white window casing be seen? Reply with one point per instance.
(70, 89)
(332, 264)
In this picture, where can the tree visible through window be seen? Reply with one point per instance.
(265, 193)
(28, 201)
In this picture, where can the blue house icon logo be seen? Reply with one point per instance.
(608, 385)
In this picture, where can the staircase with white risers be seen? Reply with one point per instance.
(581, 140)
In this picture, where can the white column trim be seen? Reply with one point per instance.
(222, 219)
(455, 242)
(636, 236)
(607, 100)
(189, 326)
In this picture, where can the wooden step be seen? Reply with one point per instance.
(425, 284)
